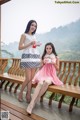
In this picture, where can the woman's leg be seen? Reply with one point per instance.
(27, 79)
(34, 97)
(28, 93)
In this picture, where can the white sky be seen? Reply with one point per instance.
(16, 14)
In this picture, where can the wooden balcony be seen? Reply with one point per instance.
(10, 87)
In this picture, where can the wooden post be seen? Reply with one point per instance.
(1, 2)
(0, 31)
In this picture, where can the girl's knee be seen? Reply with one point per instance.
(40, 83)
(48, 81)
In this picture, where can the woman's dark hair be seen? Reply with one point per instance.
(53, 49)
(28, 26)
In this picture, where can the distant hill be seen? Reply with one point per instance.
(65, 38)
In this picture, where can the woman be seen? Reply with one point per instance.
(30, 57)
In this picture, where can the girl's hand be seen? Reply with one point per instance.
(53, 61)
(45, 61)
(56, 64)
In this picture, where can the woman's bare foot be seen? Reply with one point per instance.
(28, 98)
(20, 98)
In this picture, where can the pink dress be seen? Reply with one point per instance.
(47, 72)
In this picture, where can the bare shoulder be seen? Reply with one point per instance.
(23, 36)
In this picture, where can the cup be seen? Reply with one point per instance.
(34, 45)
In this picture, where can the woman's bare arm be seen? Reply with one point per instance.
(21, 43)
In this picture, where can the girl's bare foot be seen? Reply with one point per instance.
(29, 110)
(29, 113)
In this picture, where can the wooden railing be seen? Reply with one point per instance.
(3, 64)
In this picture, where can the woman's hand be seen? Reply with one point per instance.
(33, 42)
(38, 44)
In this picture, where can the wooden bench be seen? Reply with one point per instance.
(69, 73)
(18, 113)
(15, 75)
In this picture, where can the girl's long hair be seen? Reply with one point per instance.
(53, 50)
(28, 26)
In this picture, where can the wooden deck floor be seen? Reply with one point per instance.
(17, 113)
(41, 111)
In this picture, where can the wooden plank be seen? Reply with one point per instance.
(68, 90)
(18, 111)
(15, 113)
(12, 78)
(12, 117)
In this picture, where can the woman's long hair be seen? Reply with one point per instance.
(53, 50)
(28, 26)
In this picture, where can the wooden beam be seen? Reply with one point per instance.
(0, 31)
(3, 1)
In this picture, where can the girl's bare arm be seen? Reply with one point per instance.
(56, 64)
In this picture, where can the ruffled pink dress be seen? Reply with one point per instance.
(47, 72)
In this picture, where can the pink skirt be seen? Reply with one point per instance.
(47, 72)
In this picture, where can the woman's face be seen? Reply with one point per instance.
(33, 27)
(48, 49)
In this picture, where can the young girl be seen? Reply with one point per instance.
(46, 75)
(30, 57)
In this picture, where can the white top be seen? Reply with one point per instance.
(50, 58)
(30, 54)
(30, 49)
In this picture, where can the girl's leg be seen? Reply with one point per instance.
(27, 79)
(28, 93)
(44, 88)
(34, 97)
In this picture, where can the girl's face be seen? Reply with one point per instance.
(33, 27)
(48, 49)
